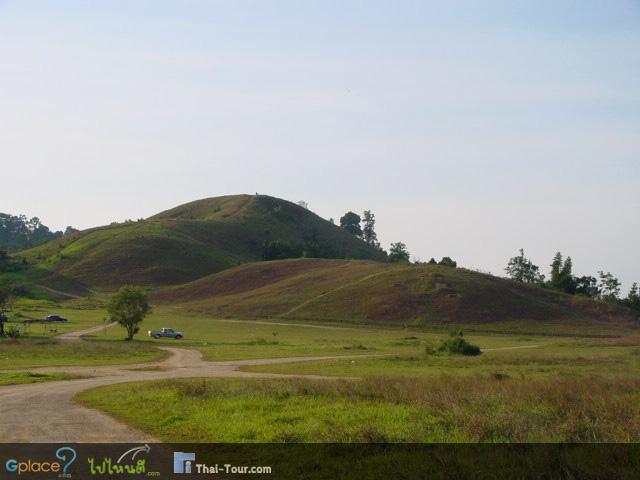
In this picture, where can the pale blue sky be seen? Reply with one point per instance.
(470, 128)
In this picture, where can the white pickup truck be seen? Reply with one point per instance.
(166, 333)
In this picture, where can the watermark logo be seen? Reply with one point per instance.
(185, 463)
(182, 462)
(125, 465)
(65, 456)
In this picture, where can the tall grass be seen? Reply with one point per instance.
(488, 408)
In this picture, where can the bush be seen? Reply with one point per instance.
(457, 345)
(13, 332)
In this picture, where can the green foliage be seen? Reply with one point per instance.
(13, 332)
(351, 223)
(20, 232)
(609, 287)
(280, 249)
(128, 306)
(561, 277)
(556, 267)
(523, 270)
(398, 252)
(633, 299)
(457, 345)
(587, 286)
(369, 234)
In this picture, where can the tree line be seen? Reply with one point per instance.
(19, 232)
(605, 286)
(364, 229)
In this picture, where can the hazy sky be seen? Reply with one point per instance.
(470, 128)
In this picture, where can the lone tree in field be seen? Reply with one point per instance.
(522, 270)
(128, 306)
(351, 223)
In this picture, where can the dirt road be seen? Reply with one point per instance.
(45, 412)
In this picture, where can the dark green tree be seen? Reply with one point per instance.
(523, 270)
(351, 223)
(567, 282)
(556, 268)
(398, 252)
(633, 298)
(448, 262)
(587, 286)
(369, 234)
(281, 249)
(129, 306)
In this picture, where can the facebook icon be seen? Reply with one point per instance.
(182, 462)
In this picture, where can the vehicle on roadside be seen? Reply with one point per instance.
(55, 319)
(165, 333)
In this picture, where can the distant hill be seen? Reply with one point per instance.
(400, 294)
(191, 241)
(18, 232)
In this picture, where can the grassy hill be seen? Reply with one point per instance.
(188, 242)
(383, 293)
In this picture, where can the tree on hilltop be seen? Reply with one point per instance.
(609, 287)
(351, 223)
(523, 270)
(369, 234)
(398, 252)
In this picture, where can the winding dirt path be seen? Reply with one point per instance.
(46, 412)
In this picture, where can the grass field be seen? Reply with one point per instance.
(221, 339)
(81, 314)
(15, 378)
(380, 409)
(562, 390)
(552, 358)
(522, 388)
(28, 353)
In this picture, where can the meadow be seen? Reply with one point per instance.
(380, 409)
(522, 388)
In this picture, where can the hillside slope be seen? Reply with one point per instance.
(383, 293)
(188, 242)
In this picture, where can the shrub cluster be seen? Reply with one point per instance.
(457, 345)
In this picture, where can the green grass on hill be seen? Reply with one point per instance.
(186, 242)
(402, 294)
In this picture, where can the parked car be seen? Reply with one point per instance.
(166, 333)
(55, 318)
